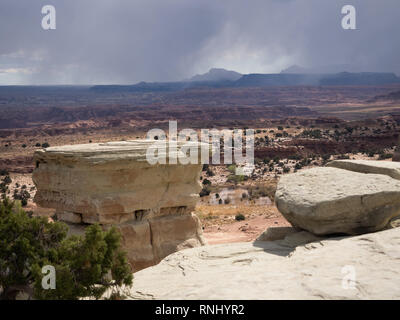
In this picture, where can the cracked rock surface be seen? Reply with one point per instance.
(301, 266)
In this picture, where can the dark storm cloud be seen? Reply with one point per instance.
(125, 41)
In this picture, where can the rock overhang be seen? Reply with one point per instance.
(130, 150)
(113, 184)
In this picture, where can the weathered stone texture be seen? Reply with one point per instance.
(113, 184)
(330, 200)
(292, 268)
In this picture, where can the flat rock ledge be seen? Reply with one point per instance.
(389, 168)
(114, 184)
(335, 201)
(301, 266)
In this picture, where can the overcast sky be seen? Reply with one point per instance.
(126, 41)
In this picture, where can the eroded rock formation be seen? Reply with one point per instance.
(113, 184)
(335, 201)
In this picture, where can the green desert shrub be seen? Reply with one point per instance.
(22, 195)
(85, 266)
(236, 178)
(205, 191)
(298, 166)
(316, 133)
(232, 168)
(7, 180)
(286, 169)
(210, 173)
(384, 156)
(240, 217)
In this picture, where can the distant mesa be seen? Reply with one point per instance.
(292, 76)
(295, 69)
(315, 79)
(326, 69)
(217, 74)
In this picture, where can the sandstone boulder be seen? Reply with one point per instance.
(275, 233)
(114, 184)
(389, 168)
(336, 201)
(361, 267)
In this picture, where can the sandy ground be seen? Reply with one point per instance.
(220, 226)
(242, 231)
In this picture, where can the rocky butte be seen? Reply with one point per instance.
(114, 184)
